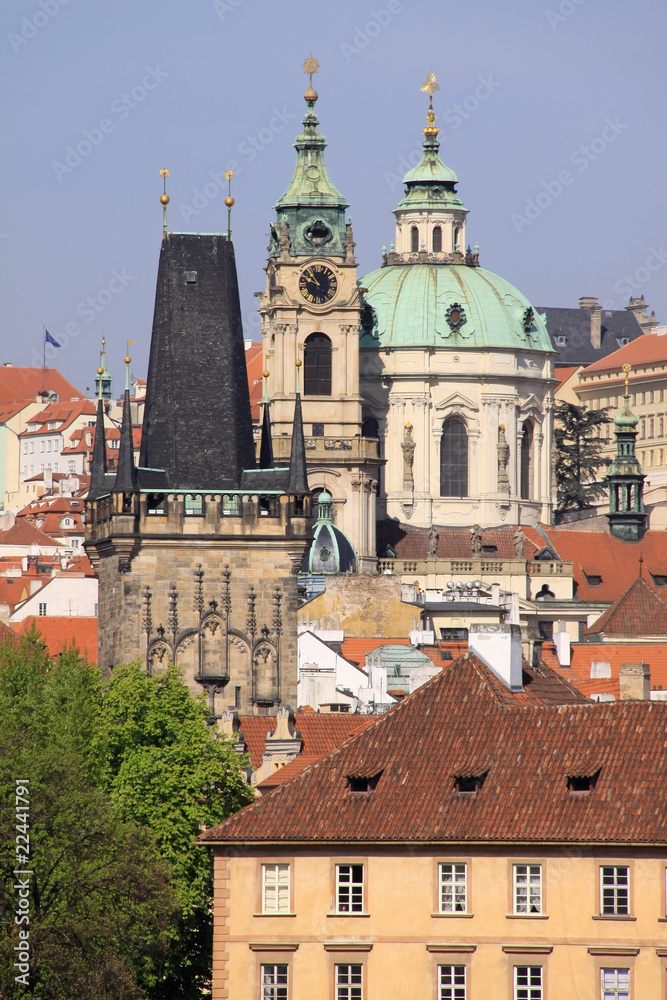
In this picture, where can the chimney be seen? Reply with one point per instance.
(635, 681)
(48, 479)
(499, 647)
(591, 303)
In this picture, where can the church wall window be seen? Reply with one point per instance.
(437, 239)
(454, 459)
(370, 428)
(527, 461)
(414, 239)
(317, 365)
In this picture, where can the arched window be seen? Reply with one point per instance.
(457, 235)
(527, 461)
(370, 428)
(454, 459)
(317, 365)
(437, 239)
(414, 239)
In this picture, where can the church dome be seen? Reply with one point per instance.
(445, 304)
(331, 550)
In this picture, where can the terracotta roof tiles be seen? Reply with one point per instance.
(59, 634)
(455, 721)
(320, 732)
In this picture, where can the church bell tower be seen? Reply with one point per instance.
(311, 312)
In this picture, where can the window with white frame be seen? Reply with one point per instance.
(615, 984)
(527, 889)
(349, 888)
(42, 610)
(614, 890)
(276, 888)
(452, 982)
(349, 982)
(453, 896)
(274, 982)
(528, 982)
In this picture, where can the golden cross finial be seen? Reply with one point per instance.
(429, 86)
(627, 369)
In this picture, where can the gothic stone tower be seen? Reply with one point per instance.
(310, 310)
(196, 550)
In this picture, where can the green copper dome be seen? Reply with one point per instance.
(457, 305)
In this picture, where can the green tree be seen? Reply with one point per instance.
(101, 901)
(167, 770)
(123, 776)
(578, 456)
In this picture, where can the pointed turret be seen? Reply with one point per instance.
(98, 468)
(298, 475)
(126, 476)
(627, 517)
(103, 378)
(266, 443)
(312, 210)
(430, 217)
(197, 422)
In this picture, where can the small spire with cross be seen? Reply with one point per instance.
(430, 86)
(627, 369)
(310, 68)
(229, 201)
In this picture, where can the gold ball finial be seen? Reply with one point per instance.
(165, 199)
(100, 371)
(298, 363)
(127, 359)
(265, 373)
(229, 201)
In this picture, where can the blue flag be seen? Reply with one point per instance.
(48, 339)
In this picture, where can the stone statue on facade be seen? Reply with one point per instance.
(503, 459)
(519, 540)
(408, 448)
(433, 537)
(476, 538)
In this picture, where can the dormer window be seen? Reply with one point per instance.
(469, 784)
(659, 579)
(561, 341)
(359, 783)
(578, 783)
(593, 579)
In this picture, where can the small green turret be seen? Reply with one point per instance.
(627, 517)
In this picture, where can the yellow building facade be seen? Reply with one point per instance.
(474, 843)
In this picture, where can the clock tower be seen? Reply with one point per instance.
(311, 312)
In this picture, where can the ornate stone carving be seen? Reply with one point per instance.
(408, 448)
(433, 537)
(519, 540)
(503, 459)
(476, 538)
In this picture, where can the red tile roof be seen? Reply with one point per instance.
(563, 374)
(596, 553)
(638, 612)
(63, 414)
(24, 533)
(25, 384)
(456, 724)
(585, 654)
(651, 349)
(320, 732)
(58, 634)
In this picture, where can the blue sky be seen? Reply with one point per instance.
(552, 115)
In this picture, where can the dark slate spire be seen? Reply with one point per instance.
(298, 477)
(197, 423)
(266, 443)
(126, 476)
(98, 469)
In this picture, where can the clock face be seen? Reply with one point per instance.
(318, 284)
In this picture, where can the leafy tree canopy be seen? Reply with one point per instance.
(579, 456)
(122, 778)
